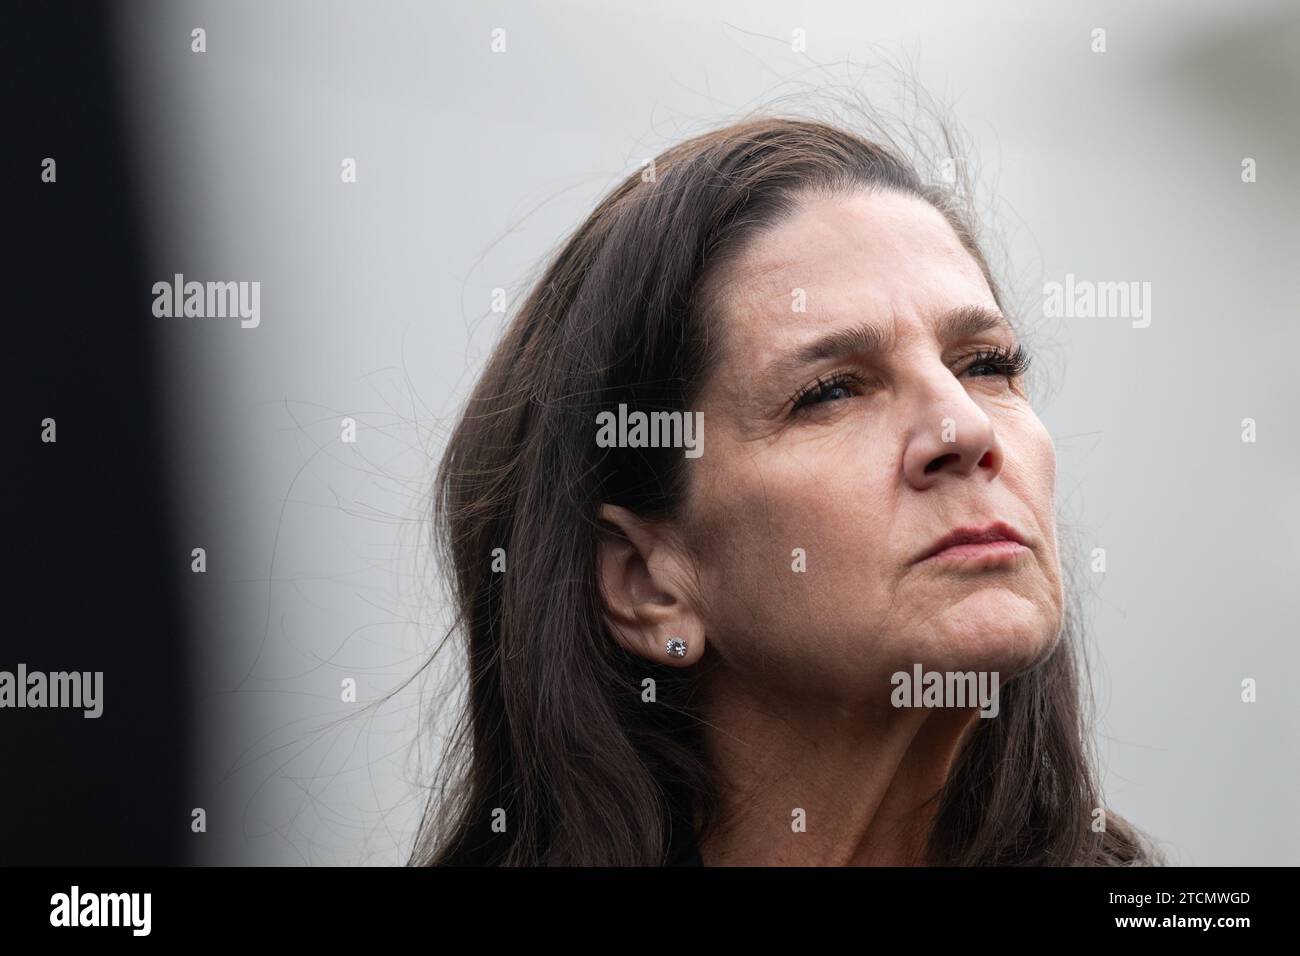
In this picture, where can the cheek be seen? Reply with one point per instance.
(1039, 452)
(1045, 450)
(1030, 471)
(788, 542)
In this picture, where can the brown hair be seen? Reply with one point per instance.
(552, 737)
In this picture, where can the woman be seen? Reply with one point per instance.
(714, 651)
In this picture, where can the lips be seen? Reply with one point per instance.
(975, 534)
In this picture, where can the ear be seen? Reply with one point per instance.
(646, 583)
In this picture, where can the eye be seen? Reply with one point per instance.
(823, 391)
(1000, 361)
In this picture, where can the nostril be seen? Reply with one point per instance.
(938, 463)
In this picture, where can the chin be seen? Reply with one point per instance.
(991, 630)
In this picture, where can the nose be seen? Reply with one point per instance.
(950, 434)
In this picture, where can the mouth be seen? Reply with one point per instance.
(994, 543)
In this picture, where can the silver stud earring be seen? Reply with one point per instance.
(676, 647)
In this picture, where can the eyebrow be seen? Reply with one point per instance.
(962, 322)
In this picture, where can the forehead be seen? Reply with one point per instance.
(881, 258)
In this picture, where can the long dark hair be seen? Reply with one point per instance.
(554, 759)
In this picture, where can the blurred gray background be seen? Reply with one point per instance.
(376, 304)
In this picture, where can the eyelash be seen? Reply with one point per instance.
(1011, 363)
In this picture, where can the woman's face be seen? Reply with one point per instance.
(910, 443)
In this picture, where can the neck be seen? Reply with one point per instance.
(863, 778)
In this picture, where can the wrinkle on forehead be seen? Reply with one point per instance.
(911, 257)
